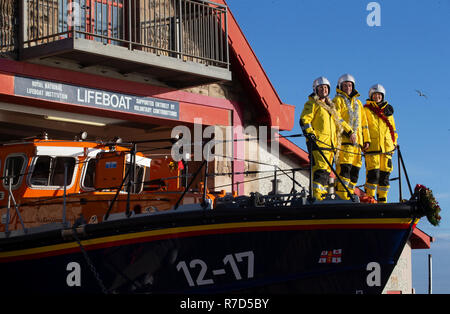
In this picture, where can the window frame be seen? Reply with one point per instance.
(83, 175)
(24, 166)
(124, 188)
(51, 187)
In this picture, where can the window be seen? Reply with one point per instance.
(49, 171)
(14, 170)
(139, 175)
(92, 17)
(108, 21)
(72, 14)
(89, 174)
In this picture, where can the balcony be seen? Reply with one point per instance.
(182, 43)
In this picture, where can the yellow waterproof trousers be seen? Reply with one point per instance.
(378, 170)
(321, 172)
(347, 167)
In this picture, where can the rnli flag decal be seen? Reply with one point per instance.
(331, 257)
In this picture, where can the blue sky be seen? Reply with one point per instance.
(298, 40)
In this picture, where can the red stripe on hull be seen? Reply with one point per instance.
(187, 234)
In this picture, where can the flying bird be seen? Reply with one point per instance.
(421, 94)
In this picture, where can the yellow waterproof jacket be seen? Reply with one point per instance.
(356, 119)
(381, 139)
(318, 121)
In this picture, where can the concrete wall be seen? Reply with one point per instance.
(42, 20)
(268, 159)
(261, 160)
(401, 277)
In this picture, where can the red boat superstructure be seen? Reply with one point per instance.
(33, 191)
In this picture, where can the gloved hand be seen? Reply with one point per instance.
(366, 146)
(311, 136)
(353, 138)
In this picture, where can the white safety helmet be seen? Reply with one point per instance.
(346, 78)
(321, 81)
(377, 88)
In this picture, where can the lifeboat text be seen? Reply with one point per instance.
(100, 98)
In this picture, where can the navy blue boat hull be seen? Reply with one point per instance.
(271, 254)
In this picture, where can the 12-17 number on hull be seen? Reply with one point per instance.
(231, 259)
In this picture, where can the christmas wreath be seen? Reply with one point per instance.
(428, 204)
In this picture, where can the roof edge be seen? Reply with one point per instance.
(420, 240)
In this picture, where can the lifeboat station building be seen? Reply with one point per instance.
(138, 70)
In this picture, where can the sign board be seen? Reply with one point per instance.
(53, 91)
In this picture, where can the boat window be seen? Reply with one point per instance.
(89, 176)
(139, 172)
(49, 171)
(41, 171)
(57, 177)
(14, 167)
(140, 178)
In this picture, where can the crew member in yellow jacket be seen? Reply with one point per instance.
(321, 123)
(349, 157)
(383, 140)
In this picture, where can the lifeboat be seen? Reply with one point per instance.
(94, 217)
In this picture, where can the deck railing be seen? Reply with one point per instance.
(8, 36)
(191, 30)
